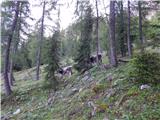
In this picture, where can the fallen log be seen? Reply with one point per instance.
(123, 60)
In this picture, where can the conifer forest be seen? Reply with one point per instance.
(80, 59)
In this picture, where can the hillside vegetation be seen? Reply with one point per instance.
(97, 94)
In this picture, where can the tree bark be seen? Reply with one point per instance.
(8, 90)
(112, 34)
(128, 32)
(15, 47)
(122, 33)
(97, 33)
(140, 26)
(40, 44)
(11, 77)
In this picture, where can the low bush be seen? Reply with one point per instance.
(145, 68)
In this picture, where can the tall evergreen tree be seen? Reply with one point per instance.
(40, 42)
(53, 56)
(128, 31)
(140, 25)
(9, 41)
(22, 28)
(84, 50)
(121, 36)
(51, 4)
(97, 32)
(53, 60)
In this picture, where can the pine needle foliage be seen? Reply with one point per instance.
(53, 61)
(84, 51)
(146, 68)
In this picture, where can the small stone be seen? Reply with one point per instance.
(72, 91)
(17, 112)
(144, 87)
(80, 89)
(85, 78)
(105, 118)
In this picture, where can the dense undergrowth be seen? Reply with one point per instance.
(96, 95)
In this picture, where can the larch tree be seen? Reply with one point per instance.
(6, 64)
(50, 4)
(84, 51)
(53, 60)
(128, 31)
(140, 27)
(121, 36)
(21, 29)
(112, 42)
(53, 57)
(40, 42)
(7, 19)
(97, 32)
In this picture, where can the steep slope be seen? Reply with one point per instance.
(97, 94)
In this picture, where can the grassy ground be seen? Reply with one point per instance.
(111, 93)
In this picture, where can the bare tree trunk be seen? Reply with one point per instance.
(11, 77)
(122, 33)
(97, 33)
(128, 32)
(8, 90)
(40, 44)
(15, 47)
(140, 26)
(112, 34)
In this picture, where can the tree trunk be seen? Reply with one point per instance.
(15, 46)
(128, 32)
(97, 33)
(40, 44)
(11, 77)
(140, 26)
(122, 33)
(6, 66)
(112, 34)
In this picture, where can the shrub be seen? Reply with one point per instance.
(145, 68)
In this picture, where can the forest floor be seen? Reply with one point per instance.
(95, 95)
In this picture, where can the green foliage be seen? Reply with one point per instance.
(70, 40)
(99, 88)
(53, 61)
(84, 50)
(32, 46)
(21, 59)
(121, 29)
(85, 94)
(153, 31)
(32, 99)
(146, 68)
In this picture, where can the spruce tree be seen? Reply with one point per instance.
(53, 61)
(84, 51)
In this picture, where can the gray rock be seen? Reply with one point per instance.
(4, 117)
(72, 91)
(145, 87)
(93, 106)
(85, 78)
(17, 111)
